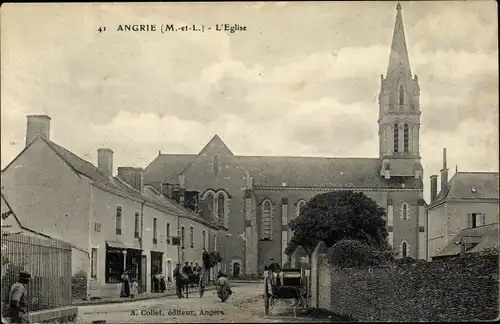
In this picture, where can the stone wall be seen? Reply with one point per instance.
(459, 289)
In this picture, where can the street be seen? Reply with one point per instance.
(245, 305)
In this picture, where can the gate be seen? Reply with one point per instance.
(48, 261)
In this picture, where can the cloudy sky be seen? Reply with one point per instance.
(302, 80)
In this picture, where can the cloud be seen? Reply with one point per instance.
(304, 84)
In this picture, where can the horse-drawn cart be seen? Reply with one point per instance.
(192, 279)
(287, 284)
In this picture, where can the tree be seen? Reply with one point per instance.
(333, 216)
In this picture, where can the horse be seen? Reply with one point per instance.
(189, 279)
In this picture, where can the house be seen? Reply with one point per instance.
(467, 201)
(471, 240)
(11, 225)
(256, 197)
(119, 222)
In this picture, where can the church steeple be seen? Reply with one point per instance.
(399, 62)
(399, 111)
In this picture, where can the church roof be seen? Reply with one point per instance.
(274, 171)
(471, 185)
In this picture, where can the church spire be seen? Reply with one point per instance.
(398, 60)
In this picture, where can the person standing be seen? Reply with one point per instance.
(134, 288)
(178, 280)
(125, 291)
(18, 299)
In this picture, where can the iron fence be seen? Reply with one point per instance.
(48, 261)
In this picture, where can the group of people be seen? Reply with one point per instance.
(130, 287)
(189, 268)
(159, 284)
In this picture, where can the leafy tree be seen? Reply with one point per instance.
(333, 216)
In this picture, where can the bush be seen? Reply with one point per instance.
(352, 253)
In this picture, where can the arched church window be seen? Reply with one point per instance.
(404, 249)
(396, 137)
(210, 203)
(220, 206)
(216, 164)
(300, 206)
(404, 211)
(266, 220)
(406, 138)
(401, 95)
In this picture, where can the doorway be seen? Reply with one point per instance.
(144, 274)
(169, 269)
(236, 270)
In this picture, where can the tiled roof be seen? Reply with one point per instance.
(92, 172)
(158, 198)
(294, 171)
(169, 166)
(486, 235)
(471, 185)
(207, 212)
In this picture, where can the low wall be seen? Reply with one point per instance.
(460, 289)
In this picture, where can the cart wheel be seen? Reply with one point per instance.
(202, 287)
(266, 296)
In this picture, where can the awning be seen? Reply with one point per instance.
(116, 245)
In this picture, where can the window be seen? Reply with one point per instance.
(183, 235)
(266, 220)
(300, 205)
(191, 237)
(136, 226)
(476, 219)
(155, 230)
(404, 211)
(114, 265)
(168, 233)
(210, 202)
(404, 249)
(216, 164)
(406, 138)
(401, 95)
(396, 138)
(118, 220)
(216, 248)
(220, 206)
(204, 239)
(390, 214)
(93, 264)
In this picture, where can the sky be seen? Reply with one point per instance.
(302, 80)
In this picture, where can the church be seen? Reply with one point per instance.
(255, 197)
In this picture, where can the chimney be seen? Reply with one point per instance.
(105, 161)
(444, 172)
(434, 185)
(37, 125)
(133, 176)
